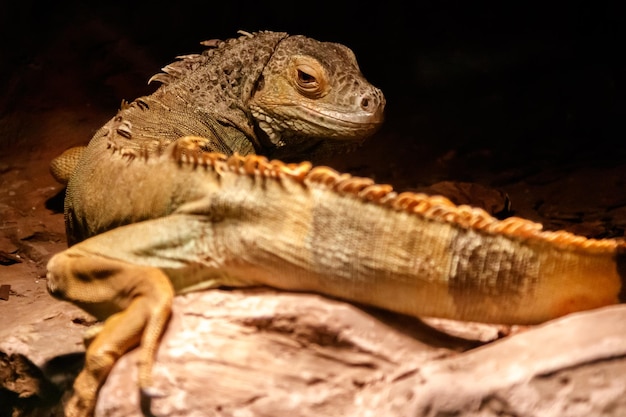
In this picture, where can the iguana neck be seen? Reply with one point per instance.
(221, 80)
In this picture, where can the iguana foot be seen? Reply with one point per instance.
(137, 300)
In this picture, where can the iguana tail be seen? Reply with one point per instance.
(63, 165)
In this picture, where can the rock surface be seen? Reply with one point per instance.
(270, 354)
(569, 367)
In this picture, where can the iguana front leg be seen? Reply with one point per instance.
(137, 301)
(127, 276)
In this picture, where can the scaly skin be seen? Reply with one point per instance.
(238, 221)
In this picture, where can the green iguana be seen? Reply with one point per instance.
(201, 219)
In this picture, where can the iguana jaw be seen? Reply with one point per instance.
(309, 122)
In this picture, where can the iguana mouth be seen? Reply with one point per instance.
(356, 118)
(316, 121)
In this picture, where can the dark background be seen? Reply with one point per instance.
(528, 80)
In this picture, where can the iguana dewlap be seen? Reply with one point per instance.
(154, 212)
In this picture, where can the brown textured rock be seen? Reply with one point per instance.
(492, 200)
(272, 354)
(250, 353)
(573, 367)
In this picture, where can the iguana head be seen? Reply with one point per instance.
(291, 96)
(314, 91)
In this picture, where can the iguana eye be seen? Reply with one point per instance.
(309, 77)
(306, 80)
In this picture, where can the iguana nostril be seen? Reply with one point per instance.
(370, 102)
(365, 103)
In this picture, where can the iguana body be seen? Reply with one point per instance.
(246, 221)
(196, 220)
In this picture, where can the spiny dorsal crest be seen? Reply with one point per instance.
(434, 208)
(235, 48)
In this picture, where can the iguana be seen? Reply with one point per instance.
(191, 219)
